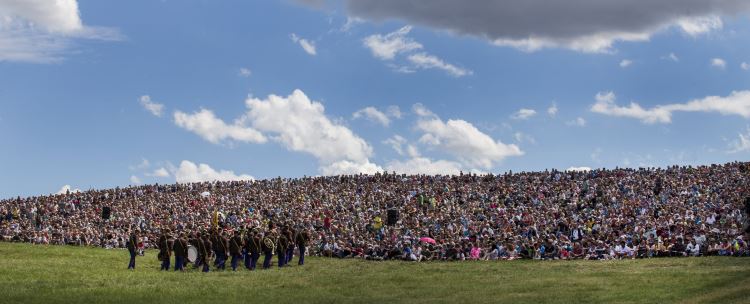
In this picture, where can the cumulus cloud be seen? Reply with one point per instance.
(718, 63)
(745, 66)
(524, 114)
(42, 31)
(160, 172)
(155, 108)
(373, 114)
(742, 144)
(626, 63)
(65, 189)
(462, 140)
(394, 111)
(189, 172)
(737, 103)
(582, 25)
(423, 165)
(211, 128)
(401, 146)
(135, 180)
(672, 57)
(307, 45)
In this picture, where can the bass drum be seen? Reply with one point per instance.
(192, 254)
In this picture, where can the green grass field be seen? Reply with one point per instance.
(57, 274)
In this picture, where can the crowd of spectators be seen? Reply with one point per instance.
(598, 214)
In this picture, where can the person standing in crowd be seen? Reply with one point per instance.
(301, 239)
(180, 252)
(205, 251)
(267, 246)
(253, 245)
(133, 248)
(235, 249)
(165, 250)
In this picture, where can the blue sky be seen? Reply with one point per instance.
(98, 94)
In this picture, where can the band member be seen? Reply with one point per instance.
(235, 249)
(205, 251)
(223, 249)
(267, 246)
(196, 241)
(180, 252)
(281, 246)
(301, 239)
(165, 251)
(253, 247)
(290, 245)
(215, 248)
(133, 248)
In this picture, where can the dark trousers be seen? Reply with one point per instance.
(205, 264)
(222, 260)
(282, 257)
(301, 255)
(251, 260)
(131, 264)
(267, 260)
(216, 258)
(165, 263)
(179, 263)
(235, 260)
(289, 255)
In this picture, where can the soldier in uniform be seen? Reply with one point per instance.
(133, 248)
(281, 248)
(267, 246)
(301, 239)
(205, 251)
(180, 252)
(215, 248)
(222, 249)
(290, 244)
(253, 249)
(235, 249)
(195, 240)
(165, 250)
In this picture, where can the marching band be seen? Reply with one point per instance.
(246, 244)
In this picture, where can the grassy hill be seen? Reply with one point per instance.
(56, 274)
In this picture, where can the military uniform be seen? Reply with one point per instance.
(235, 249)
(301, 240)
(205, 252)
(252, 246)
(132, 249)
(165, 251)
(180, 252)
(267, 248)
(281, 248)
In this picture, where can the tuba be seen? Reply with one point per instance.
(269, 243)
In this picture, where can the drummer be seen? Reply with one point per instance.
(180, 251)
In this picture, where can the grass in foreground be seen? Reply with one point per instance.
(56, 274)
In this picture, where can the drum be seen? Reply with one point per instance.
(192, 254)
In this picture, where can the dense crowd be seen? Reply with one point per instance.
(599, 214)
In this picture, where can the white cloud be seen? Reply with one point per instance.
(189, 172)
(400, 145)
(742, 144)
(626, 63)
(423, 165)
(552, 110)
(161, 172)
(209, 127)
(745, 66)
(142, 165)
(462, 140)
(426, 61)
(244, 72)
(671, 57)
(421, 110)
(41, 31)
(373, 114)
(308, 46)
(155, 108)
(386, 47)
(346, 167)
(300, 124)
(700, 25)
(578, 122)
(135, 180)
(718, 63)
(579, 169)
(394, 111)
(67, 188)
(523, 114)
(737, 103)
(521, 137)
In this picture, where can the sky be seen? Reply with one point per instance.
(104, 93)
